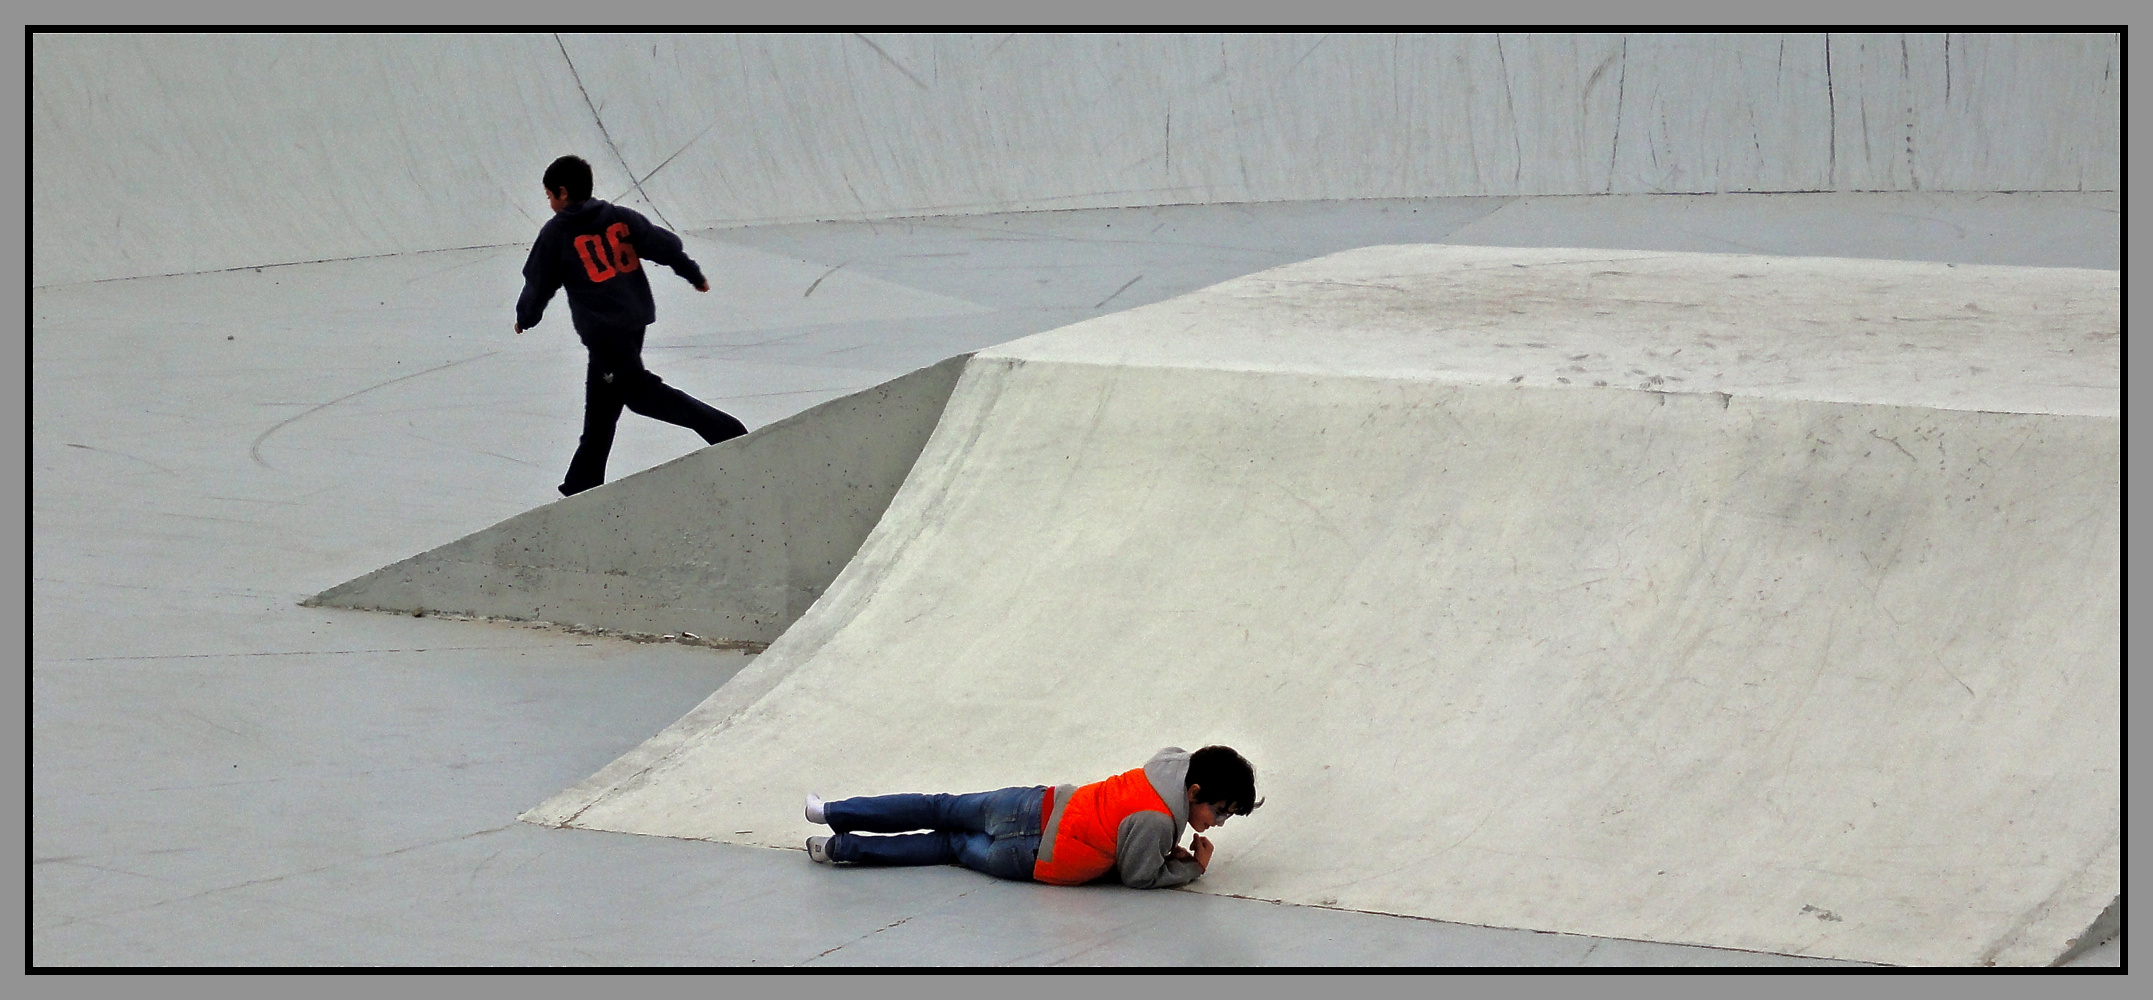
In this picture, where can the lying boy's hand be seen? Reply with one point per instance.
(1203, 852)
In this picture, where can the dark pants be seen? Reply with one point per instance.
(994, 832)
(616, 378)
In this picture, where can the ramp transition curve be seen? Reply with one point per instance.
(1764, 603)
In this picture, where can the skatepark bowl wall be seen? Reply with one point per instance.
(160, 154)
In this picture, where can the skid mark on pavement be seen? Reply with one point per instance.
(256, 449)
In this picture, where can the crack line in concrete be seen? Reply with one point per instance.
(256, 449)
(600, 120)
(676, 155)
(1124, 287)
(892, 61)
(287, 652)
(879, 930)
(273, 878)
(122, 454)
(818, 281)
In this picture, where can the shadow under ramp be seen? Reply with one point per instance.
(730, 543)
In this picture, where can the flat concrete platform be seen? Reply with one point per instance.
(222, 777)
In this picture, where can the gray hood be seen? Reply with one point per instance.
(1168, 772)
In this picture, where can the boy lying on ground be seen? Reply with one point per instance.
(1129, 824)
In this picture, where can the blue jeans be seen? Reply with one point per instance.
(994, 832)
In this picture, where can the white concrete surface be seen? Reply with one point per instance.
(2028, 230)
(179, 153)
(1893, 333)
(1802, 648)
(388, 755)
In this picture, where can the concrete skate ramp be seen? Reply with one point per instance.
(163, 153)
(731, 542)
(1762, 603)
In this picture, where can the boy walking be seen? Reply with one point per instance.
(596, 249)
(1129, 824)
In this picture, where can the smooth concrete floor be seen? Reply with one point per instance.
(223, 778)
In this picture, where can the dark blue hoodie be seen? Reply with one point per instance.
(596, 249)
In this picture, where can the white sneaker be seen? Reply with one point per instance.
(818, 850)
(814, 811)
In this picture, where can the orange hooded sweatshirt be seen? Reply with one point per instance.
(1128, 824)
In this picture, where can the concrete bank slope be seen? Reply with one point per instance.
(1769, 604)
(731, 542)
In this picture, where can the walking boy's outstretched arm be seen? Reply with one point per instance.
(660, 245)
(540, 281)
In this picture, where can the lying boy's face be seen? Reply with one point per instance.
(1205, 815)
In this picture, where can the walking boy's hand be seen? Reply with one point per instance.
(519, 328)
(702, 286)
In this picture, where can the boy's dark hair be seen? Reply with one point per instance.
(1226, 778)
(572, 173)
